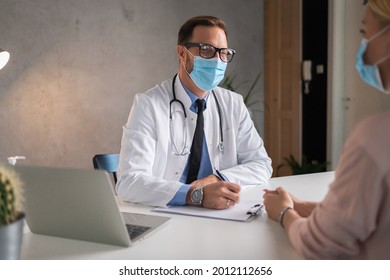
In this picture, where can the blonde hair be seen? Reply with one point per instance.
(381, 9)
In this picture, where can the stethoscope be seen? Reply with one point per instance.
(185, 150)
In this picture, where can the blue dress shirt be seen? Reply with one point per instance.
(205, 163)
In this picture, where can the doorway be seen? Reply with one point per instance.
(295, 121)
(314, 91)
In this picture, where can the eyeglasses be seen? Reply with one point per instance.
(208, 51)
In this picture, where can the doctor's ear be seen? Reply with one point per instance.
(180, 51)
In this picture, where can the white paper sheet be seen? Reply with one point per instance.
(239, 212)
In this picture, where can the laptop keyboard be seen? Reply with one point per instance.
(135, 230)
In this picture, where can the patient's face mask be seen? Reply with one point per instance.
(370, 73)
(207, 73)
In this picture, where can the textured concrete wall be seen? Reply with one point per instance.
(76, 65)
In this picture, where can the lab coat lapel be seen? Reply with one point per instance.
(176, 163)
(191, 116)
(211, 124)
(212, 130)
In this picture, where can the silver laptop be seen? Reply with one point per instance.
(80, 204)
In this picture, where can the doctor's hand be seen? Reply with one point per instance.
(221, 195)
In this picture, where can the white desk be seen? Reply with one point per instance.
(185, 237)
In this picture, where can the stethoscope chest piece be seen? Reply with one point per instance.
(221, 148)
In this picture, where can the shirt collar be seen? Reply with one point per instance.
(193, 98)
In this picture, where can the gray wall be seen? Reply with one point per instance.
(76, 65)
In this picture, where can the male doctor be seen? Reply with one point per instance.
(187, 141)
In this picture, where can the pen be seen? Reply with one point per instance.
(219, 175)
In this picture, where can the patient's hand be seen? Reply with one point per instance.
(303, 208)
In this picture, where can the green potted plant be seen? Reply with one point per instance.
(305, 167)
(11, 214)
(228, 83)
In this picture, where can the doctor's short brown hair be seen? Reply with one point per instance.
(188, 27)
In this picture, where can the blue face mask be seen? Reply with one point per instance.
(370, 73)
(207, 73)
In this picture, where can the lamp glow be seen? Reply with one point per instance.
(4, 57)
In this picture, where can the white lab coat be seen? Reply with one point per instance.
(149, 171)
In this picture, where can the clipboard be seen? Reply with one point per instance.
(243, 212)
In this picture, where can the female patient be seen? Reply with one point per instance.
(353, 221)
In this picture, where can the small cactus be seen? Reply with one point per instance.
(10, 196)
